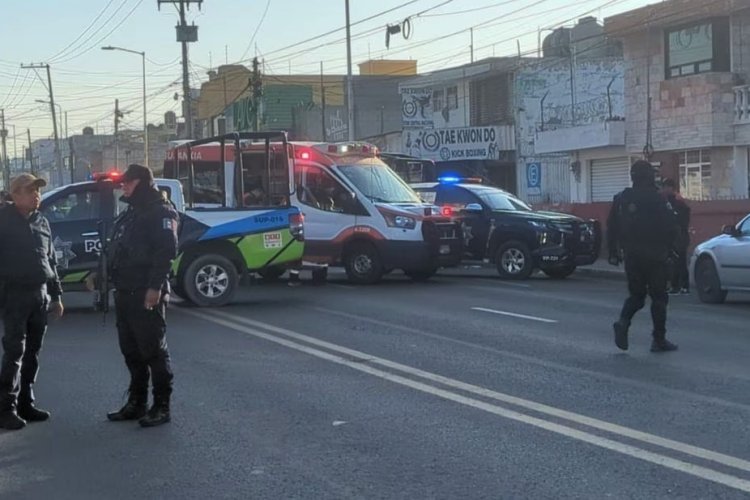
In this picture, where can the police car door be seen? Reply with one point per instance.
(74, 214)
(473, 213)
(330, 212)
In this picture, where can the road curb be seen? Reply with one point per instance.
(614, 273)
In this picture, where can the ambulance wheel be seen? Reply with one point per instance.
(422, 274)
(362, 263)
(271, 274)
(211, 280)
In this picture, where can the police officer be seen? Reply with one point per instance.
(642, 228)
(29, 287)
(143, 245)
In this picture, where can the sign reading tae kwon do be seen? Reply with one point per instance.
(449, 144)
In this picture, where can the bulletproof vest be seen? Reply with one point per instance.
(645, 227)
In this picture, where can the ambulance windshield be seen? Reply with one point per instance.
(379, 183)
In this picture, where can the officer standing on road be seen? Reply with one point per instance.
(679, 274)
(28, 273)
(143, 245)
(642, 227)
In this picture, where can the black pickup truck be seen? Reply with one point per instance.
(503, 230)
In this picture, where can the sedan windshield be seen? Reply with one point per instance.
(498, 200)
(378, 182)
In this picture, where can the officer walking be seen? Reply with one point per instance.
(29, 287)
(143, 245)
(643, 228)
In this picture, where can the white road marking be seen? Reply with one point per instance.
(514, 315)
(625, 449)
(543, 362)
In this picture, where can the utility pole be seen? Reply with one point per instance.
(349, 84)
(256, 83)
(185, 34)
(118, 115)
(58, 151)
(6, 165)
(471, 47)
(31, 153)
(323, 103)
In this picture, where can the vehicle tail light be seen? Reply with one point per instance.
(303, 155)
(447, 211)
(297, 226)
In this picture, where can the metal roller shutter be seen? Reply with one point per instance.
(609, 177)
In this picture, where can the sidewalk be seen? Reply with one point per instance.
(603, 268)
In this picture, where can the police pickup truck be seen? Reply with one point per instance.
(503, 230)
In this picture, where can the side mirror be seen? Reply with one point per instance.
(473, 208)
(729, 230)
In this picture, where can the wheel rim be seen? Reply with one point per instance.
(212, 281)
(513, 261)
(708, 279)
(362, 264)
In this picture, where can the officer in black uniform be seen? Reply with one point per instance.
(642, 227)
(29, 288)
(144, 243)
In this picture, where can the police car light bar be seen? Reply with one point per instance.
(112, 175)
(452, 179)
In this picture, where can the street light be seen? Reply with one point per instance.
(145, 120)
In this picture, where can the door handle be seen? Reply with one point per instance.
(90, 235)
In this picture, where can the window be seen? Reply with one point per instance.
(428, 196)
(78, 206)
(695, 174)
(698, 48)
(379, 183)
(318, 189)
(438, 97)
(498, 200)
(745, 227)
(456, 197)
(452, 97)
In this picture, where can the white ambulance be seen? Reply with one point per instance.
(360, 214)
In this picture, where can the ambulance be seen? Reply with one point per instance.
(358, 213)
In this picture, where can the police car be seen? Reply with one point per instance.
(75, 212)
(501, 229)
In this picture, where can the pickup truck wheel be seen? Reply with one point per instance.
(422, 274)
(560, 273)
(363, 265)
(271, 274)
(211, 280)
(708, 282)
(514, 261)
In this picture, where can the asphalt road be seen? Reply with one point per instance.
(463, 387)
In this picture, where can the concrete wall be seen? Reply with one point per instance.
(551, 78)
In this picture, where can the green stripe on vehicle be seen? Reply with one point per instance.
(75, 277)
(176, 263)
(258, 249)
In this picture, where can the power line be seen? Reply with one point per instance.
(101, 13)
(257, 28)
(65, 53)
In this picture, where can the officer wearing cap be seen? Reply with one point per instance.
(642, 229)
(143, 245)
(29, 289)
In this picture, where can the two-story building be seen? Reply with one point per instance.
(463, 119)
(687, 100)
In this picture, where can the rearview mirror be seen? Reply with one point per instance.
(473, 208)
(729, 230)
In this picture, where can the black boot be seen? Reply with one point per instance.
(663, 345)
(134, 409)
(30, 413)
(158, 414)
(10, 420)
(621, 335)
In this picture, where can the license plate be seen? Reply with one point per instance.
(445, 249)
(550, 258)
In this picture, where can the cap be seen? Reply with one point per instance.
(138, 172)
(25, 181)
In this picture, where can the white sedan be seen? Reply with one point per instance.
(722, 264)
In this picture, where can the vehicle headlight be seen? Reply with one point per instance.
(400, 221)
(540, 226)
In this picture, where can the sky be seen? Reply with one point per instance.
(289, 36)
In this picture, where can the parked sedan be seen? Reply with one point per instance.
(722, 264)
